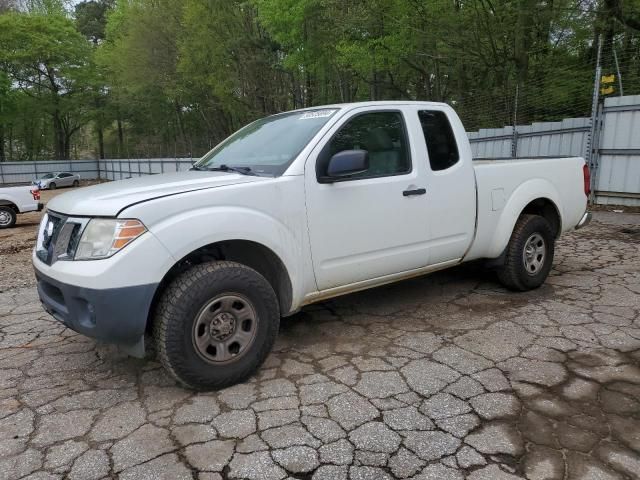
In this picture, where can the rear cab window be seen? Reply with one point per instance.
(441, 142)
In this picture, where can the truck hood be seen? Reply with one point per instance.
(108, 199)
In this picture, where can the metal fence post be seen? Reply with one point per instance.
(597, 129)
(592, 159)
(615, 57)
(514, 138)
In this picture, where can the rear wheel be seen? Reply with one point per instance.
(76, 183)
(215, 324)
(52, 186)
(8, 217)
(529, 254)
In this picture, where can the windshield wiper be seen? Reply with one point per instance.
(199, 168)
(228, 168)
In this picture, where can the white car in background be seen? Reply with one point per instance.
(51, 181)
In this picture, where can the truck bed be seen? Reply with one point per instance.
(20, 198)
(502, 187)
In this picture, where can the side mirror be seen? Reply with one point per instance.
(346, 164)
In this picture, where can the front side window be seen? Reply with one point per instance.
(441, 142)
(382, 135)
(269, 145)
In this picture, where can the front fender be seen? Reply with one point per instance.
(189, 231)
(514, 205)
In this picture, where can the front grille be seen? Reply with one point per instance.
(58, 237)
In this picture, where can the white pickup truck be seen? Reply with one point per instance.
(293, 209)
(17, 200)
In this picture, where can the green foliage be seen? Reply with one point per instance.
(91, 18)
(45, 58)
(160, 77)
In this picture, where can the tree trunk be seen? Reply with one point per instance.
(67, 146)
(120, 138)
(522, 44)
(309, 88)
(11, 143)
(183, 135)
(100, 125)
(3, 157)
(100, 142)
(59, 136)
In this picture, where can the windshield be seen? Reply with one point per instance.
(48, 175)
(269, 145)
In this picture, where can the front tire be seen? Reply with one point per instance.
(529, 254)
(215, 324)
(52, 186)
(8, 217)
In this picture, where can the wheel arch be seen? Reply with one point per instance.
(535, 196)
(542, 206)
(10, 204)
(252, 254)
(547, 209)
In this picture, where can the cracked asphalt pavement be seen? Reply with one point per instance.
(444, 377)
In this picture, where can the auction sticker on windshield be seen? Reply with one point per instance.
(317, 114)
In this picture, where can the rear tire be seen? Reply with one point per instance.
(76, 183)
(529, 254)
(52, 186)
(215, 324)
(8, 217)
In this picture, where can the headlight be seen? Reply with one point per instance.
(104, 237)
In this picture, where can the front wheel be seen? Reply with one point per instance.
(52, 186)
(215, 324)
(529, 254)
(7, 217)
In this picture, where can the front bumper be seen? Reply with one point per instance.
(114, 315)
(584, 221)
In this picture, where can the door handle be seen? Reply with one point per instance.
(417, 191)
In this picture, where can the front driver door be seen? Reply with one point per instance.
(372, 224)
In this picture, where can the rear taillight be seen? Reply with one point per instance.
(587, 179)
(36, 194)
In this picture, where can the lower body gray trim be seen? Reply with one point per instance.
(113, 315)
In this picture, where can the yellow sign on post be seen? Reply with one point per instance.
(608, 79)
(607, 87)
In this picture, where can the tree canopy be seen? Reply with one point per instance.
(143, 78)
